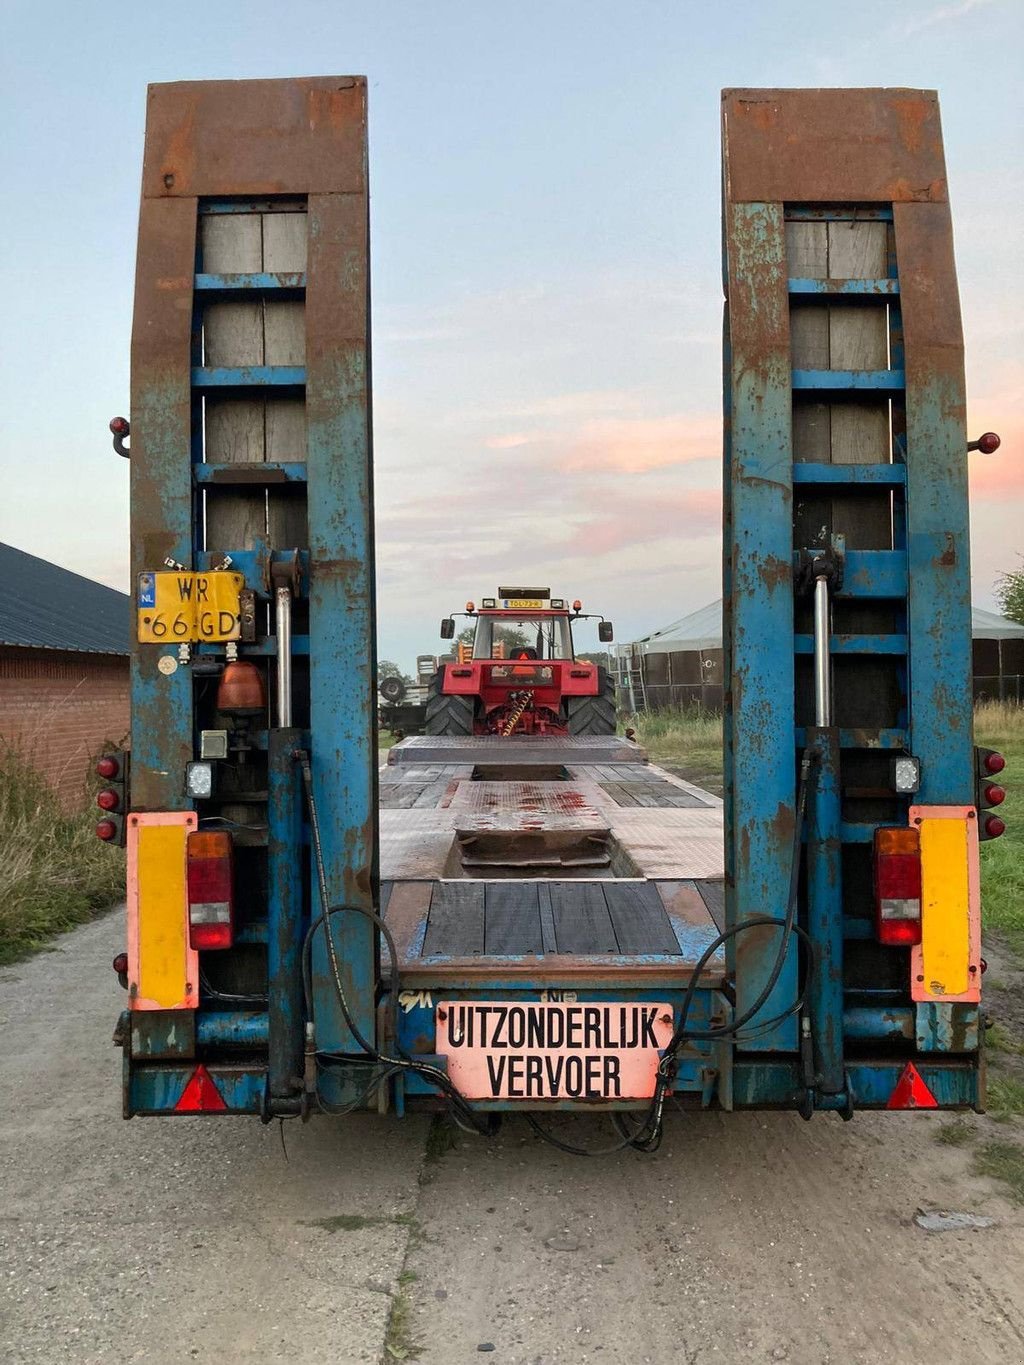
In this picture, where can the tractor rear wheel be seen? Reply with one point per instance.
(447, 715)
(594, 715)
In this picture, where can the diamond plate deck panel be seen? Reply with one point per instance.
(516, 749)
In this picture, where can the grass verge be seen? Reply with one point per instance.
(54, 872)
(1002, 1161)
(687, 739)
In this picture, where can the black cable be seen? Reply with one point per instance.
(404, 1061)
(647, 1137)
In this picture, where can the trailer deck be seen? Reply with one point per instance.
(572, 857)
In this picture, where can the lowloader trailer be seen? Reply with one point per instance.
(540, 922)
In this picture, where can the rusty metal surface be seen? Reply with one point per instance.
(221, 138)
(342, 631)
(819, 146)
(161, 485)
(939, 592)
(678, 843)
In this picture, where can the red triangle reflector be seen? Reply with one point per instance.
(910, 1091)
(200, 1096)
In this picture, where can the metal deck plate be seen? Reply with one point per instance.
(516, 749)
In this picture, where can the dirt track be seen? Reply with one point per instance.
(748, 1237)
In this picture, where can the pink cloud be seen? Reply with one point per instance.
(638, 445)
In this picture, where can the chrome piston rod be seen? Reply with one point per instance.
(822, 657)
(283, 617)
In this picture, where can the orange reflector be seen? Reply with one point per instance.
(202, 844)
(200, 1096)
(910, 1091)
(897, 840)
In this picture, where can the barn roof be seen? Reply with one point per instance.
(43, 606)
(702, 629)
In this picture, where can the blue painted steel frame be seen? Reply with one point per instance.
(343, 710)
(938, 546)
(759, 719)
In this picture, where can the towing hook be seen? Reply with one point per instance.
(988, 443)
(121, 429)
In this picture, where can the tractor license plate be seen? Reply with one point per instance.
(179, 607)
(509, 1050)
(524, 603)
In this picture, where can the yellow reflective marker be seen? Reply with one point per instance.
(946, 966)
(162, 968)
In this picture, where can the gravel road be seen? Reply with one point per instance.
(746, 1238)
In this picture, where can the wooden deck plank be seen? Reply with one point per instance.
(455, 927)
(582, 922)
(713, 896)
(639, 919)
(512, 918)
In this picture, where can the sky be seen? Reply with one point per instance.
(546, 269)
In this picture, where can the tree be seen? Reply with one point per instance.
(386, 669)
(1010, 594)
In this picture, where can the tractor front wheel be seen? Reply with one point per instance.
(594, 715)
(446, 715)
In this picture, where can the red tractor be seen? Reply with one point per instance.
(521, 675)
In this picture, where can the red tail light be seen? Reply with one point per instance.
(994, 826)
(898, 886)
(108, 799)
(108, 767)
(211, 900)
(106, 830)
(993, 762)
(994, 794)
(119, 426)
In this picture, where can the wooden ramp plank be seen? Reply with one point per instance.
(512, 918)
(713, 896)
(455, 927)
(582, 922)
(639, 919)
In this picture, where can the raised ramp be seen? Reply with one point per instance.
(516, 749)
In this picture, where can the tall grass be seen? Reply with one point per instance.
(54, 872)
(684, 738)
(691, 740)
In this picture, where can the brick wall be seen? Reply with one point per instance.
(58, 709)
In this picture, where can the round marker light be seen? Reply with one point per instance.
(577, 605)
(106, 830)
(995, 795)
(120, 964)
(108, 767)
(994, 826)
(989, 443)
(108, 799)
(470, 606)
(119, 426)
(995, 763)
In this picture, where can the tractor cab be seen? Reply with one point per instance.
(533, 628)
(519, 675)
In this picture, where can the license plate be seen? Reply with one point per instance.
(527, 603)
(180, 607)
(510, 1050)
